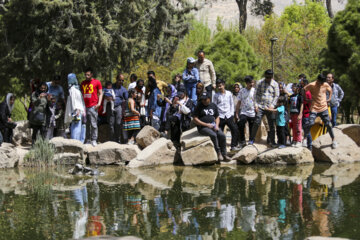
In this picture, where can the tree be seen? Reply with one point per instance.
(232, 56)
(342, 55)
(39, 38)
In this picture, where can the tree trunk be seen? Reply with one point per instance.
(329, 8)
(242, 5)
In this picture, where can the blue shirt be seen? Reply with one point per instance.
(152, 104)
(121, 95)
(280, 118)
(191, 77)
(56, 91)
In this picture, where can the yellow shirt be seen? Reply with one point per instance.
(162, 86)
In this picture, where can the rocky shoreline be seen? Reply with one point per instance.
(196, 150)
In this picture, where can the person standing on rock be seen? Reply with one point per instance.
(206, 72)
(225, 103)
(6, 123)
(154, 109)
(307, 142)
(280, 121)
(206, 117)
(131, 119)
(296, 111)
(336, 98)
(116, 117)
(92, 94)
(319, 107)
(75, 110)
(191, 78)
(245, 108)
(266, 96)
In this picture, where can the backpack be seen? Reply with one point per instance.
(294, 103)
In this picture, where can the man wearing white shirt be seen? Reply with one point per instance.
(225, 103)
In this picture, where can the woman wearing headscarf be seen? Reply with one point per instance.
(6, 124)
(165, 103)
(37, 119)
(75, 110)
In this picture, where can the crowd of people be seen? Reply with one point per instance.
(194, 98)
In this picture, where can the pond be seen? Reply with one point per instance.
(167, 202)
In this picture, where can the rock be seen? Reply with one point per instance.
(68, 151)
(352, 131)
(192, 138)
(249, 153)
(147, 136)
(325, 238)
(347, 150)
(8, 156)
(112, 153)
(22, 151)
(161, 151)
(289, 155)
(22, 133)
(203, 154)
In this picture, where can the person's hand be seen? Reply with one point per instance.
(43, 95)
(158, 96)
(97, 106)
(9, 120)
(270, 108)
(256, 109)
(299, 117)
(214, 86)
(142, 105)
(216, 128)
(108, 98)
(167, 100)
(209, 125)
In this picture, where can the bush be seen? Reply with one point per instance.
(41, 155)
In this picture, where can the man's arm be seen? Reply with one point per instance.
(232, 108)
(198, 122)
(276, 97)
(329, 89)
(341, 93)
(237, 109)
(100, 98)
(212, 75)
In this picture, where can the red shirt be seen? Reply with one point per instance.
(89, 89)
(307, 105)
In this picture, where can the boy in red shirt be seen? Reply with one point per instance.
(91, 89)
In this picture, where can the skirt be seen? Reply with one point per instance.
(131, 123)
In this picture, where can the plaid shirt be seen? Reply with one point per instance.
(337, 95)
(266, 94)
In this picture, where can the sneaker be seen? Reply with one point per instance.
(93, 143)
(334, 145)
(273, 145)
(282, 146)
(288, 143)
(220, 157)
(251, 142)
(304, 143)
(233, 149)
(226, 159)
(298, 145)
(293, 144)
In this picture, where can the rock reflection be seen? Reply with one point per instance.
(247, 202)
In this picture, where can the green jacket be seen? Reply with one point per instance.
(38, 113)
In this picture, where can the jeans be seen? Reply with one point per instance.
(324, 117)
(116, 125)
(218, 138)
(296, 127)
(233, 128)
(280, 131)
(242, 124)
(334, 111)
(91, 124)
(257, 123)
(191, 91)
(305, 122)
(1, 139)
(78, 130)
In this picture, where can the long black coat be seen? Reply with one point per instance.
(4, 115)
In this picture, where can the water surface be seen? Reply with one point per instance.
(167, 202)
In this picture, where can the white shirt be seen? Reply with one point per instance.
(247, 99)
(225, 104)
(132, 85)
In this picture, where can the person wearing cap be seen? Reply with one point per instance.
(223, 99)
(266, 96)
(191, 78)
(206, 117)
(206, 72)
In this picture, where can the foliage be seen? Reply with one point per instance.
(232, 56)
(41, 155)
(19, 113)
(41, 37)
(342, 55)
(301, 31)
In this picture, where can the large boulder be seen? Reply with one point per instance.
(22, 133)
(352, 131)
(347, 150)
(289, 155)
(8, 156)
(203, 154)
(147, 136)
(192, 138)
(68, 151)
(161, 151)
(249, 153)
(112, 153)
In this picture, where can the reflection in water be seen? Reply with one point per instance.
(182, 202)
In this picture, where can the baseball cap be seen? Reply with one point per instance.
(191, 60)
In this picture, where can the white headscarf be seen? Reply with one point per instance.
(8, 96)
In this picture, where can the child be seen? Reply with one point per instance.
(280, 121)
(296, 109)
(131, 120)
(59, 118)
(109, 96)
(51, 121)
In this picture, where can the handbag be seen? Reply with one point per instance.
(39, 118)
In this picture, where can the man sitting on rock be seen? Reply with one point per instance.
(206, 117)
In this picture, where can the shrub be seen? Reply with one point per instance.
(41, 155)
